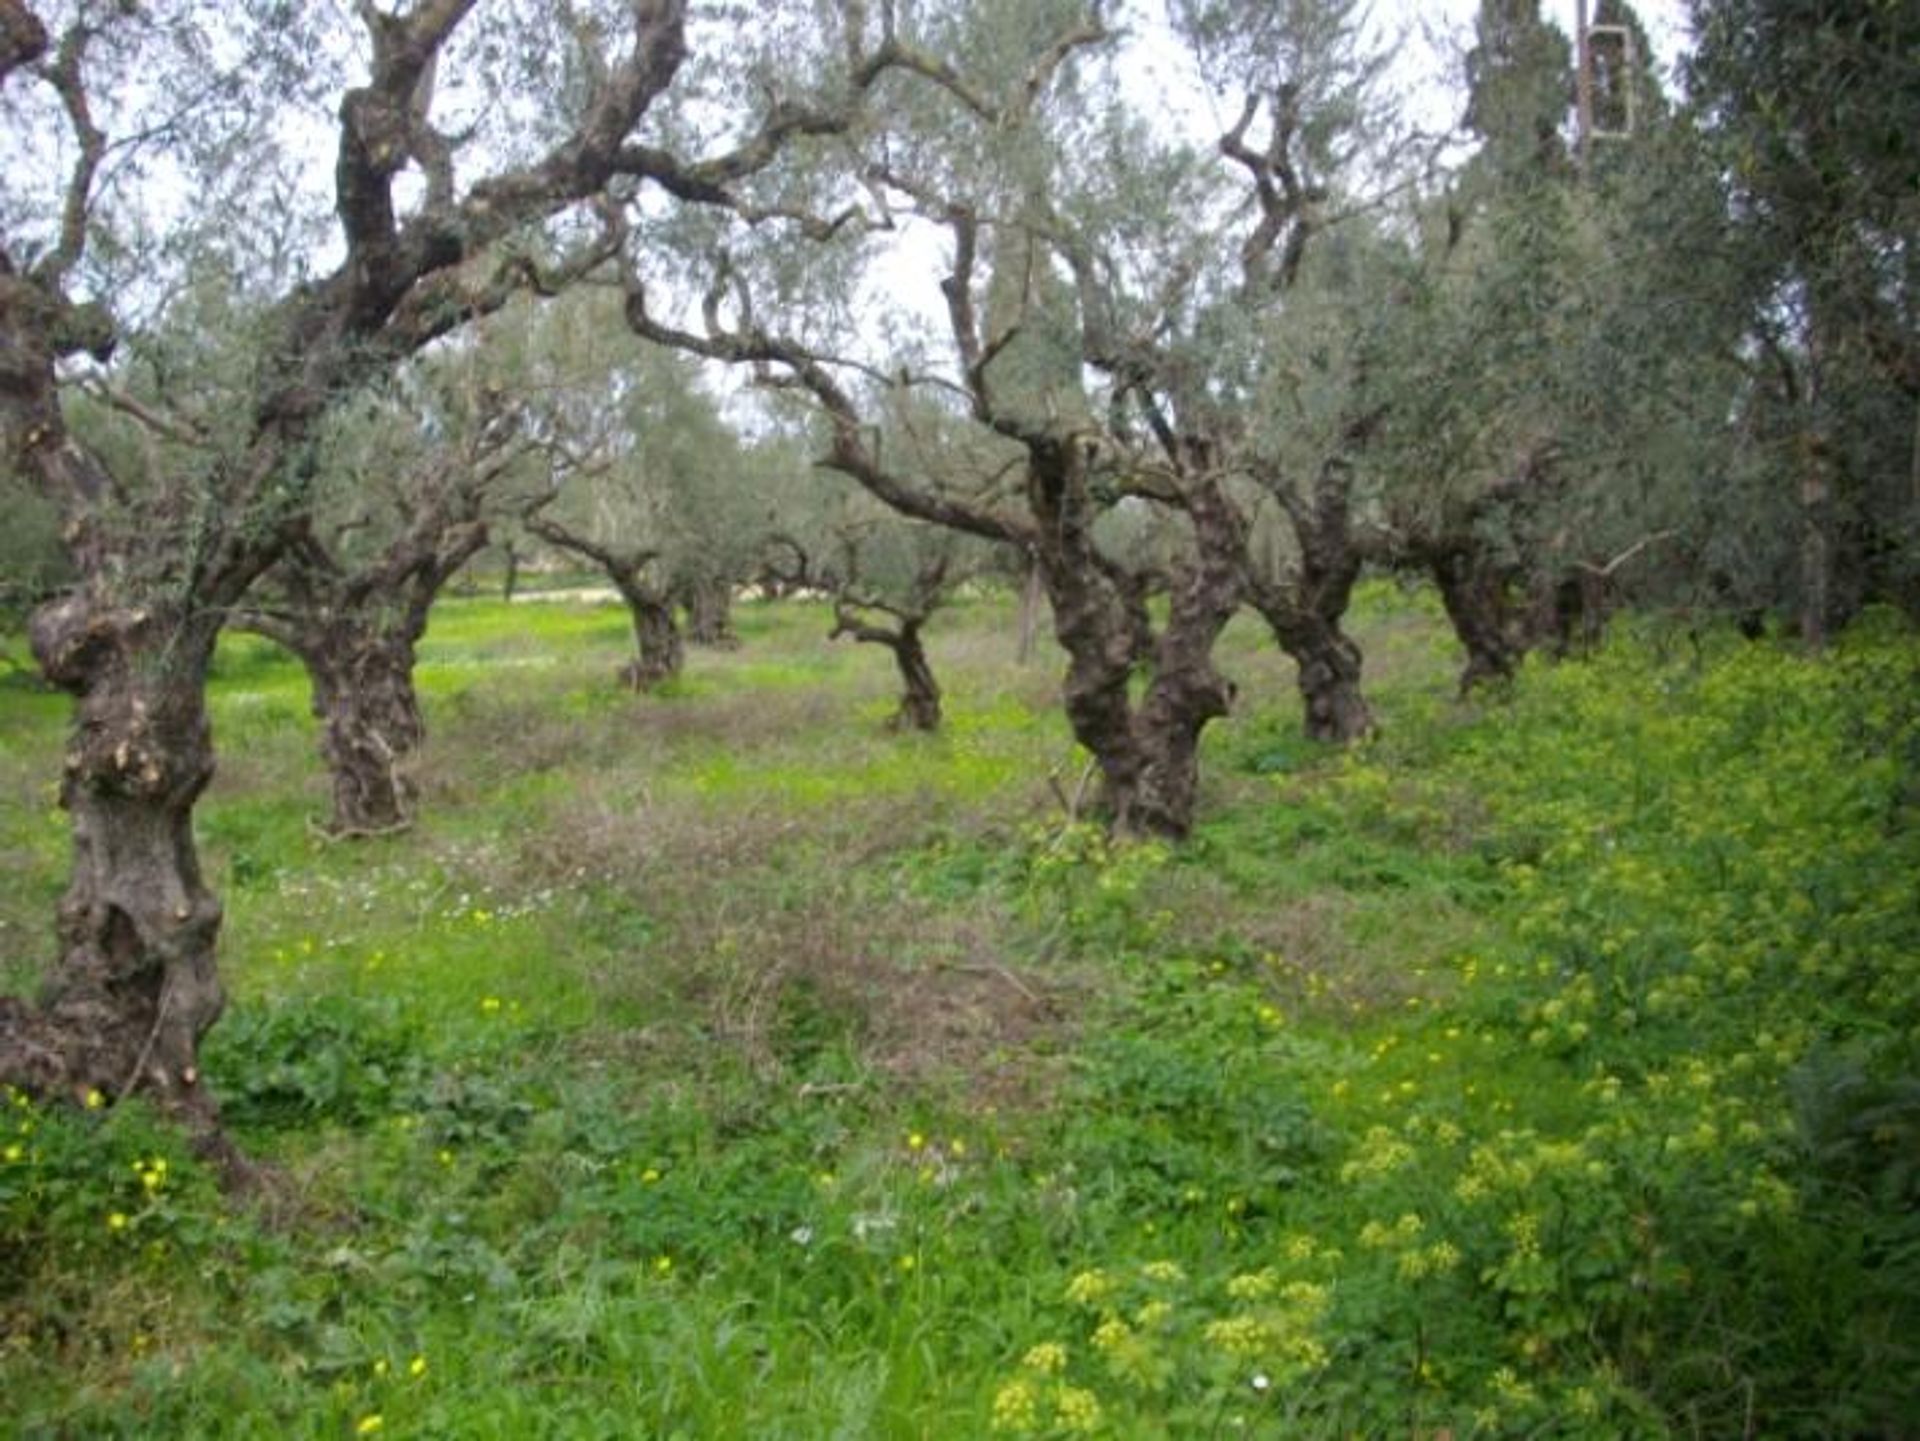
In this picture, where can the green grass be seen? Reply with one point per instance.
(714, 1063)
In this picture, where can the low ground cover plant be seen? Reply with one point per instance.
(718, 1063)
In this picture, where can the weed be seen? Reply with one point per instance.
(715, 1064)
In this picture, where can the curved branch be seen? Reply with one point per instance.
(849, 452)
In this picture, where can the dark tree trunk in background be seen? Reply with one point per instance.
(1032, 592)
(1328, 666)
(1305, 609)
(1186, 690)
(371, 729)
(1816, 545)
(355, 632)
(920, 693)
(656, 634)
(360, 674)
(1475, 592)
(510, 582)
(1149, 757)
(1569, 611)
(709, 604)
(134, 987)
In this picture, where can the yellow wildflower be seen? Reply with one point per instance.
(1077, 1410)
(1089, 1288)
(1048, 1358)
(1255, 1286)
(1014, 1407)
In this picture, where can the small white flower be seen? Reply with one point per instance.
(801, 1235)
(1261, 1381)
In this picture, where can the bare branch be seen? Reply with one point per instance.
(850, 451)
(179, 430)
(68, 82)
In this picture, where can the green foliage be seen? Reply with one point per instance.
(328, 1059)
(1547, 1068)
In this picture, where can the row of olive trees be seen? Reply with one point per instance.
(446, 202)
(1222, 371)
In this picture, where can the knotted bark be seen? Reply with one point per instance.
(919, 707)
(656, 634)
(1148, 756)
(133, 988)
(371, 727)
(1477, 595)
(709, 604)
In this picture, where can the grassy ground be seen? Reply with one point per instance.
(716, 1064)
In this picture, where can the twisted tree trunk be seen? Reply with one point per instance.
(656, 635)
(709, 605)
(920, 693)
(134, 987)
(1328, 667)
(1186, 690)
(1149, 756)
(1475, 593)
(371, 726)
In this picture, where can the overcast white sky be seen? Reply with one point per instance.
(1428, 37)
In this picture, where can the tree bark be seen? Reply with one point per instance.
(510, 580)
(1816, 545)
(919, 692)
(656, 635)
(1186, 690)
(1032, 590)
(1304, 609)
(371, 729)
(134, 987)
(709, 605)
(1475, 595)
(1149, 758)
(1328, 666)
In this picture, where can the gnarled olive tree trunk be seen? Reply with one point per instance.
(371, 729)
(1304, 611)
(919, 692)
(656, 634)
(1328, 668)
(1148, 755)
(709, 604)
(134, 987)
(355, 632)
(1477, 595)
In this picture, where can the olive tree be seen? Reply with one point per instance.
(437, 183)
(408, 482)
(660, 495)
(1810, 112)
(886, 574)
